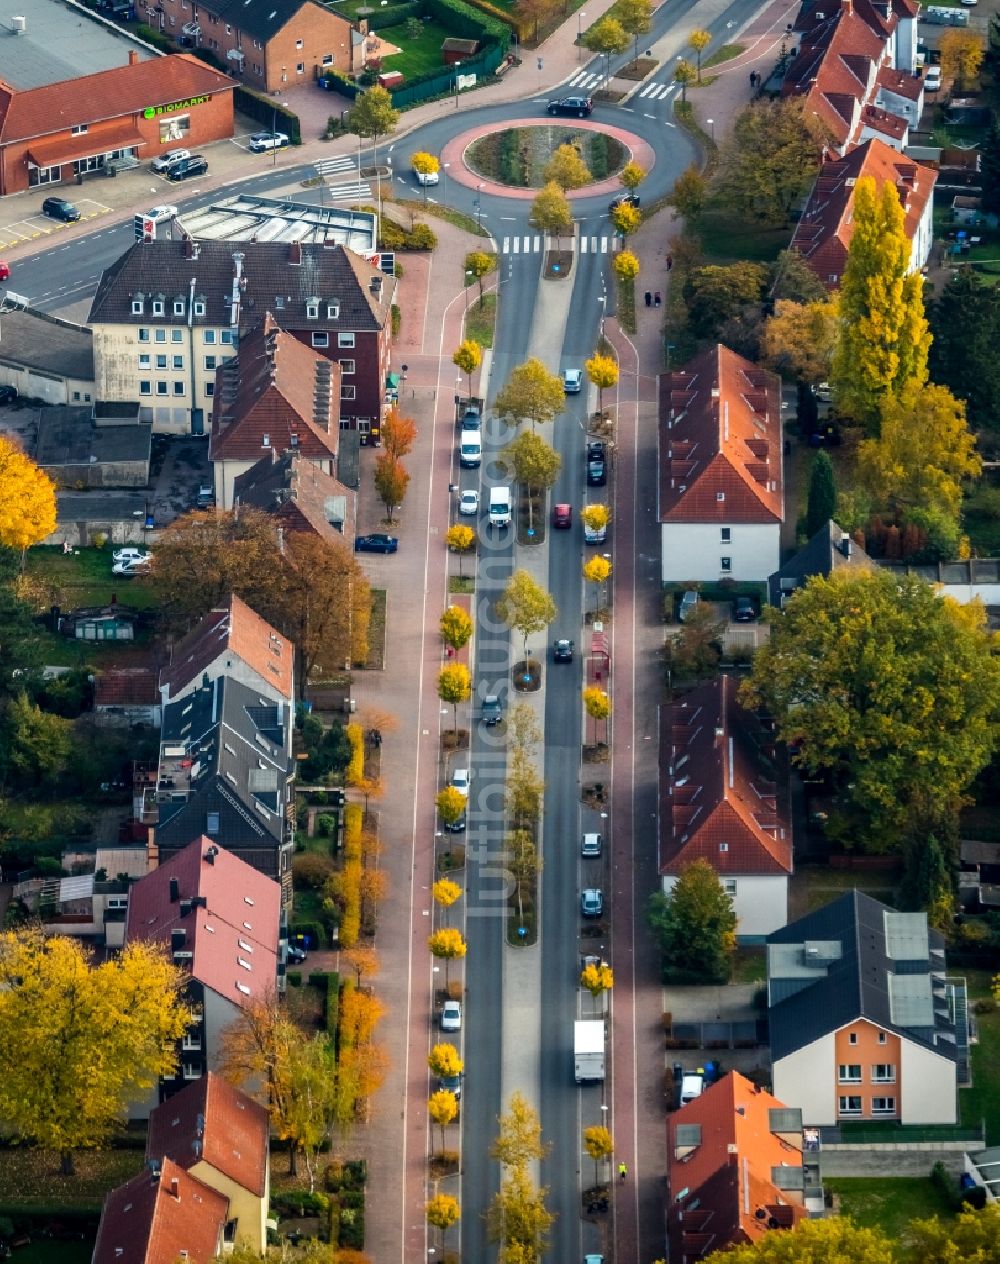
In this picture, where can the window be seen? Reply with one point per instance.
(76, 395)
(44, 175)
(137, 306)
(178, 362)
(209, 336)
(144, 359)
(144, 335)
(720, 497)
(226, 337)
(849, 1105)
(178, 387)
(300, 68)
(726, 535)
(211, 823)
(333, 311)
(852, 1038)
(347, 367)
(178, 307)
(158, 306)
(210, 389)
(321, 340)
(726, 564)
(722, 846)
(199, 307)
(145, 388)
(729, 886)
(159, 335)
(177, 335)
(348, 392)
(79, 130)
(265, 441)
(881, 1038)
(883, 1073)
(210, 362)
(173, 128)
(312, 310)
(883, 1105)
(161, 361)
(345, 340)
(328, 59)
(191, 1042)
(849, 1073)
(191, 1070)
(161, 388)
(298, 43)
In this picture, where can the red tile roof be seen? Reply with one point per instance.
(211, 1121)
(126, 686)
(53, 153)
(241, 632)
(232, 932)
(720, 441)
(279, 388)
(128, 89)
(824, 231)
(161, 1219)
(300, 494)
(901, 83)
(884, 122)
(715, 804)
(725, 1177)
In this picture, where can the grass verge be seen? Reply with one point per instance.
(418, 206)
(461, 584)
(30, 1179)
(83, 578)
(981, 1102)
(376, 632)
(625, 309)
(889, 1203)
(480, 320)
(726, 53)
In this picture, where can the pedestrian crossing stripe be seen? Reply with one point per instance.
(334, 166)
(337, 192)
(583, 79)
(533, 245)
(656, 91)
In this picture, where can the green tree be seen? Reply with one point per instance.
(684, 74)
(536, 465)
(821, 504)
(965, 324)
(795, 281)
(454, 686)
(524, 864)
(833, 1241)
(518, 1217)
(887, 688)
(600, 1145)
(989, 169)
(972, 1237)
(525, 606)
(36, 746)
(79, 1039)
(923, 452)
(447, 945)
(632, 175)
(927, 880)
(455, 626)
(309, 1113)
(468, 357)
(567, 169)
(391, 481)
(699, 41)
(717, 293)
(480, 263)
(531, 393)
(883, 339)
(603, 372)
(770, 161)
(550, 211)
(535, 12)
(372, 115)
(524, 790)
(636, 17)
(519, 1141)
(696, 927)
(696, 650)
(688, 194)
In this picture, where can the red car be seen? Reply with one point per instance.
(4, 270)
(562, 516)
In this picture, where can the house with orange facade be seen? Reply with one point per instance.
(865, 1022)
(740, 1168)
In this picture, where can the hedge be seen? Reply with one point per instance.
(152, 36)
(350, 883)
(267, 111)
(339, 83)
(523, 29)
(356, 768)
(332, 1001)
(465, 22)
(395, 15)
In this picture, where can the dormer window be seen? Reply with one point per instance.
(178, 307)
(333, 311)
(312, 309)
(159, 306)
(138, 304)
(199, 307)
(265, 441)
(279, 302)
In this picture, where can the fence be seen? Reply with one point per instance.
(267, 111)
(442, 81)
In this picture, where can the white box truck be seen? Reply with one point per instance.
(588, 1050)
(500, 507)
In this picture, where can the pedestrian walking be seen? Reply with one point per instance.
(622, 1171)
(656, 299)
(670, 262)
(649, 299)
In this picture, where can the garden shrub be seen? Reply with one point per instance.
(352, 1226)
(293, 978)
(421, 237)
(311, 870)
(396, 315)
(299, 1202)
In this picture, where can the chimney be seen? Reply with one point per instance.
(211, 854)
(846, 544)
(295, 254)
(175, 890)
(175, 1188)
(178, 938)
(133, 57)
(188, 248)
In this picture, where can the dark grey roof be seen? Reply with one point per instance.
(272, 282)
(829, 549)
(101, 506)
(260, 18)
(35, 340)
(68, 435)
(235, 739)
(853, 959)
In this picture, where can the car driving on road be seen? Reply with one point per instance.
(562, 650)
(572, 380)
(580, 106)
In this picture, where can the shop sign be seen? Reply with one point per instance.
(151, 111)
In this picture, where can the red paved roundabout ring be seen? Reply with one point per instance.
(453, 155)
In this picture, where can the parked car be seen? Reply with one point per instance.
(472, 419)
(592, 845)
(468, 504)
(572, 381)
(8, 394)
(164, 161)
(206, 496)
(451, 1016)
(186, 168)
(580, 106)
(562, 517)
(295, 956)
(744, 610)
(130, 554)
(562, 650)
(460, 781)
(457, 826)
(624, 199)
(932, 79)
(376, 542)
(688, 602)
(597, 467)
(59, 208)
(261, 142)
(451, 1084)
(594, 535)
(129, 570)
(158, 214)
(592, 902)
(4, 270)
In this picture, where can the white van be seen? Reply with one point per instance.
(470, 451)
(500, 507)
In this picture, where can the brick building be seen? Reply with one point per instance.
(269, 44)
(52, 133)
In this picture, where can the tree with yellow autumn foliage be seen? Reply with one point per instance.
(27, 499)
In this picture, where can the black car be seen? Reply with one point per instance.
(377, 542)
(624, 199)
(580, 106)
(59, 208)
(744, 610)
(456, 827)
(562, 650)
(295, 956)
(186, 168)
(8, 395)
(597, 464)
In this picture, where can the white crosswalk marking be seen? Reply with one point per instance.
(334, 166)
(517, 245)
(647, 90)
(604, 245)
(583, 79)
(506, 246)
(583, 245)
(537, 244)
(354, 191)
(527, 245)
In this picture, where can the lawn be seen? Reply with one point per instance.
(55, 1251)
(30, 1179)
(982, 1100)
(749, 965)
(83, 578)
(419, 56)
(725, 53)
(888, 1203)
(729, 238)
(480, 320)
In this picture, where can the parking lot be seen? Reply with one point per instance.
(36, 225)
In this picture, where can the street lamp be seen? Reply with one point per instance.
(711, 123)
(444, 182)
(603, 300)
(580, 15)
(455, 82)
